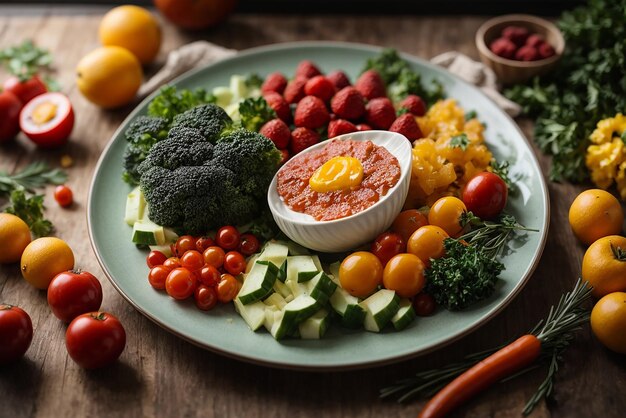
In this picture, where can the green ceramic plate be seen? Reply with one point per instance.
(222, 330)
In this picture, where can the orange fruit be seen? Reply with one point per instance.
(608, 321)
(446, 213)
(427, 243)
(604, 265)
(133, 28)
(43, 259)
(594, 214)
(109, 76)
(404, 273)
(14, 237)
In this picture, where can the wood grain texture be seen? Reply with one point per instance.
(161, 375)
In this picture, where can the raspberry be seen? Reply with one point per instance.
(340, 127)
(545, 50)
(294, 92)
(535, 40)
(311, 113)
(363, 127)
(279, 104)
(348, 104)
(380, 113)
(306, 69)
(274, 82)
(302, 138)
(527, 53)
(503, 47)
(414, 105)
(339, 79)
(407, 126)
(320, 86)
(278, 132)
(370, 85)
(516, 34)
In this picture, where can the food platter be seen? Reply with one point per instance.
(222, 330)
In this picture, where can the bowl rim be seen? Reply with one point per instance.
(273, 198)
(519, 18)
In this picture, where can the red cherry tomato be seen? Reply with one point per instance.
(485, 195)
(203, 243)
(155, 258)
(171, 263)
(249, 244)
(157, 277)
(234, 263)
(72, 293)
(25, 90)
(184, 244)
(16, 333)
(48, 119)
(95, 339)
(214, 256)
(227, 237)
(192, 260)
(10, 107)
(424, 304)
(227, 288)
(205, 297)
(180, 283)
(387, 245)
(209, 276)
(64, 196)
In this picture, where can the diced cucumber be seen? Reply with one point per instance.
(223, 96)
(379, 309)
(238, 87)
(258, 283)
(289, 298)
(334, 269)
(346, 305)
(296, 311)
(282, 272)
(301, 268)
(165, 249)
(275, 299)
(314, 327)
(135, 205)
(353, 317)
(232, 110)
(320, 287)
(148, 233)
(251, 262)
(297, 249)
(170, 235)
(253, 313)
(275, 252)
(270, 315)
(317, 262)
(404, 316)
(282, 289)
(296, 288)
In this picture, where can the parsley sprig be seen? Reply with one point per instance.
(25, 60)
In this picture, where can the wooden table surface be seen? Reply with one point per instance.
(159, 374)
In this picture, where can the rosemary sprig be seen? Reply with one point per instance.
(556, 333)
(33, 176)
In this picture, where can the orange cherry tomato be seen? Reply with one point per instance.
(64, 196)
(446, 213)
(427, 243)
(180, 283)
(407, 222)
(214, 256)
(404, 273)
(227, 288)
(361, 273)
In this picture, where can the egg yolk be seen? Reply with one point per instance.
(338, 173)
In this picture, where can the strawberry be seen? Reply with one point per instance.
(348, 103)
(503, 47)
(278, 132)
(294, 91)
(311, 113)
(535, 40)
(517, 34)
(340, 127)
(414, 105)
(279, 104)
(363, 127)
(306, 69)
(407, 126)
(274, 82)
(320, 86)
(339, 79)
(380, 113)
(527, 53)
(370, 85)
(302, 138)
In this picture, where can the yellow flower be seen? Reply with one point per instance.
(606, 129)
(606, 157)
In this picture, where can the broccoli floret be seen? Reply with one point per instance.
(171, 102)
(183, 147)
(142, 134)
(209, 119)
(255, 113)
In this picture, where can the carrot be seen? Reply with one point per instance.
(510, 359)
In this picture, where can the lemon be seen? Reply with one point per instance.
(43, 259)
(109, 76)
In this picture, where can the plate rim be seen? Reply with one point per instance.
(317, 368)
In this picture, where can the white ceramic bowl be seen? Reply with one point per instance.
(352, 231)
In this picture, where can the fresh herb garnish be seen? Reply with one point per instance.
(30, 210)
(25, 60)
(255, 113)
(33, 176)
(460, 141)
(253, 81)
(471, 115)
(490, 236)
(170, 101)
(501, 169)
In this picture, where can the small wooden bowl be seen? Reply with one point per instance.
(512, 71)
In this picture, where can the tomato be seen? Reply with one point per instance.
(192, 260)
(446, 213)
(214, 256)
(184, 243)
(64, 196)
(424, 304)
(155, 258)
(180, 283)
(228, 237)
(234, 263)
(485, 195)
(72, 293)
(171, 263)
(404, 273)
(407, 222)
(427, 243)
(16, 333)
(10, 107)
(209, 276)
(48, 119)
(249, 244)
(157, 277)
(608, 317)
(387, 245)
(205, 297)
(227, 288)
(95, 339)
(604, 265)
(195, 14)
(203, 243)
(25, 90)
(361, 273)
